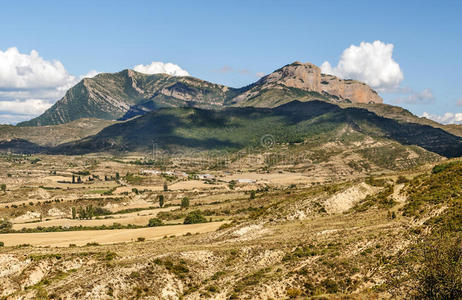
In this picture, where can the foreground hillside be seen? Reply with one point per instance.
(371, 237)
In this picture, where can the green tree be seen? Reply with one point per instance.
(232, 184)
(3, 187)
(74, 213)
(252, 195)
(155, 222)
(89, 212)
(117, 176)
(73, 178)
(5, 225)
(165, 186)
(185, 202)
(161, 200)
(195, 217)
(81, 213)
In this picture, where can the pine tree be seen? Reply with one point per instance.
(185, 202)
(161, 200)
(165, 186)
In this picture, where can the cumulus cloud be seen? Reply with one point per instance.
(424, 97)
(371, 63)
(159, 67)
(29, 84)
(90, 74)
(30, 71)
(447, 118)
(29, 107)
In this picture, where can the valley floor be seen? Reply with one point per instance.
(254, 234)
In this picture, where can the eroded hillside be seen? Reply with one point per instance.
(258, 235)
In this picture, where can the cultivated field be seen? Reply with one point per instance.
(96, 227)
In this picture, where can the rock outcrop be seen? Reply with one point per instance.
(307, 77)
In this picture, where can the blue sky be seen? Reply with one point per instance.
(231, 42)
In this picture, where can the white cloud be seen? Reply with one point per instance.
(159, 67)
(30, 71)
(90, 74)
(424, 97)
(30, 84)
(447, 118)
(29, 107)
(371, 63)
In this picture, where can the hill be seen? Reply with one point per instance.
(128, 93)
(18, 139)
(304, 125)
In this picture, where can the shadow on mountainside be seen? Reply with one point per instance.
(239, 127)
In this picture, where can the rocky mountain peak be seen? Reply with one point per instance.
(308, 77)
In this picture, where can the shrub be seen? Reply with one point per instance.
(195, 217)
(2, 244)
(402, 179)
(439, 168)
(440, 274)
(5, 225)
(293, 293)
(100, 211)
(155, 222)
(141, 239)
(330, 285)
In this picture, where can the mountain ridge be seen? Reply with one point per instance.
(236, 128)
(111, 96)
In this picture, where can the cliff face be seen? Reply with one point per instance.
(307, 77)
(355, 91)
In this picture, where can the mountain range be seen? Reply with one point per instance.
(300, 108)
(126, 94)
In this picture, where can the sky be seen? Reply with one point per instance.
(409, 51)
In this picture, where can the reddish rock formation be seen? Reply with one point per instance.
(307, 76)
